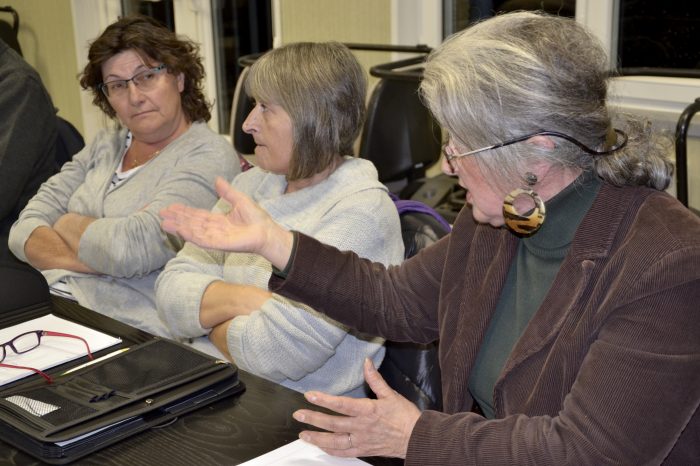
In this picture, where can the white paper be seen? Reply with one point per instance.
(300, 453)
(52, 351)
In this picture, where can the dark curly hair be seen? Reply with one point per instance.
(155, 44)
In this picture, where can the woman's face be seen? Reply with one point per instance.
(271, 128)
(484, 198)
(152, 116)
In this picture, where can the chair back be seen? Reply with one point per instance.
(241, 106)
(8, 32)
(412, 369)
(68, 143)
(682, 128)
(399, 135)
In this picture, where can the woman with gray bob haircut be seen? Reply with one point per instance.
(565, 298)
(309, 106)
(325, 103)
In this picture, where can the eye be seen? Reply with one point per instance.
(115, 85)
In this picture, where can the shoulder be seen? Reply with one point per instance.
(200, 135)
(643, 227)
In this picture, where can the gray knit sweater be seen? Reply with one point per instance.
(126, 245)
(285, 341)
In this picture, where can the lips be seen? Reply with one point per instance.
(140, 114)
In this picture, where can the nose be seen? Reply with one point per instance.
(135, 94)
(250, 123)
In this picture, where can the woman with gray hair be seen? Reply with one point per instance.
(566, 313)
(309, 109)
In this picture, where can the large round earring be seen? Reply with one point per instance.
(524, 225)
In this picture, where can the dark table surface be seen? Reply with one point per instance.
(229, 431)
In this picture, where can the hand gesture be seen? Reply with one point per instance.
(380, 427)
(245, 228)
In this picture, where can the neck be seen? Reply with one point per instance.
(296, 185)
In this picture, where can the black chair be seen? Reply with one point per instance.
(400, 135)
(682, 150)
(413, 370)
(8, 32)
(68, 143)
(21, 287)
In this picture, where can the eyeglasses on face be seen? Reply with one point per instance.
(30, 340)
(145, 81)
(450, 155)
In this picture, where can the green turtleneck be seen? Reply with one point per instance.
(529, 278)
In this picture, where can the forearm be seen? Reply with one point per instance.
(45, 249)
(70, 227)
(218, 338)
(223, 301)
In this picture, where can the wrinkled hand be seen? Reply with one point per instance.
(245, 228)
(380, 427)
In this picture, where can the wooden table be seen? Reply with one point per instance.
(229, 431)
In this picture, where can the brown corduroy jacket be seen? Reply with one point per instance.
(606, 372)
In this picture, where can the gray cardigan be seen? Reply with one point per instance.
(606, 372)
(126, 245)
(286, 341)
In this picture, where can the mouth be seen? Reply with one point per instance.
(140, 114)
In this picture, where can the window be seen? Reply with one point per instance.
(236, 28)
(458, 14)
(659, 37)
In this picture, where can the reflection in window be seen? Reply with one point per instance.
(458, 14)
(659, 37)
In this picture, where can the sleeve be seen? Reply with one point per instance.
(51, 201)
(135, 245)
(27, 138)
(366, 223)
(634, 394)
(398, 303)
(181, 285)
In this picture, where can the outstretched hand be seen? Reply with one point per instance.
(244, 228)
(380, 427)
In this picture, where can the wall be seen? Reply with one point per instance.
(46, 39)
(358, 21)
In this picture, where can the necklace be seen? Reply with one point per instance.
(135, 162)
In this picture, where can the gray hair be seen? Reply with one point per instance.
(322, 87)
(522, 72)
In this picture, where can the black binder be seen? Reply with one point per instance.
(150, 384)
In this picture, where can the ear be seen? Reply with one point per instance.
(181, 82)
(545, 142)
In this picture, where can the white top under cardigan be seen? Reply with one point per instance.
(126, 245)
(285, 341)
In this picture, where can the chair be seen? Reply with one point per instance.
(400, 135)
(682, 150)
(8, 32)
(241, 106)
(413, 370)
(68, 143)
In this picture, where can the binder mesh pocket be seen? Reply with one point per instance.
(154, 365)
(50, 406)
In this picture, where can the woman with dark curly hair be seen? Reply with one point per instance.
(93, 229)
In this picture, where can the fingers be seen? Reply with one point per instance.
(337, 444)
(376, 382)
(340, 404)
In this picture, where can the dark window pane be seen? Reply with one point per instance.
(659, 35)
(458, 14)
